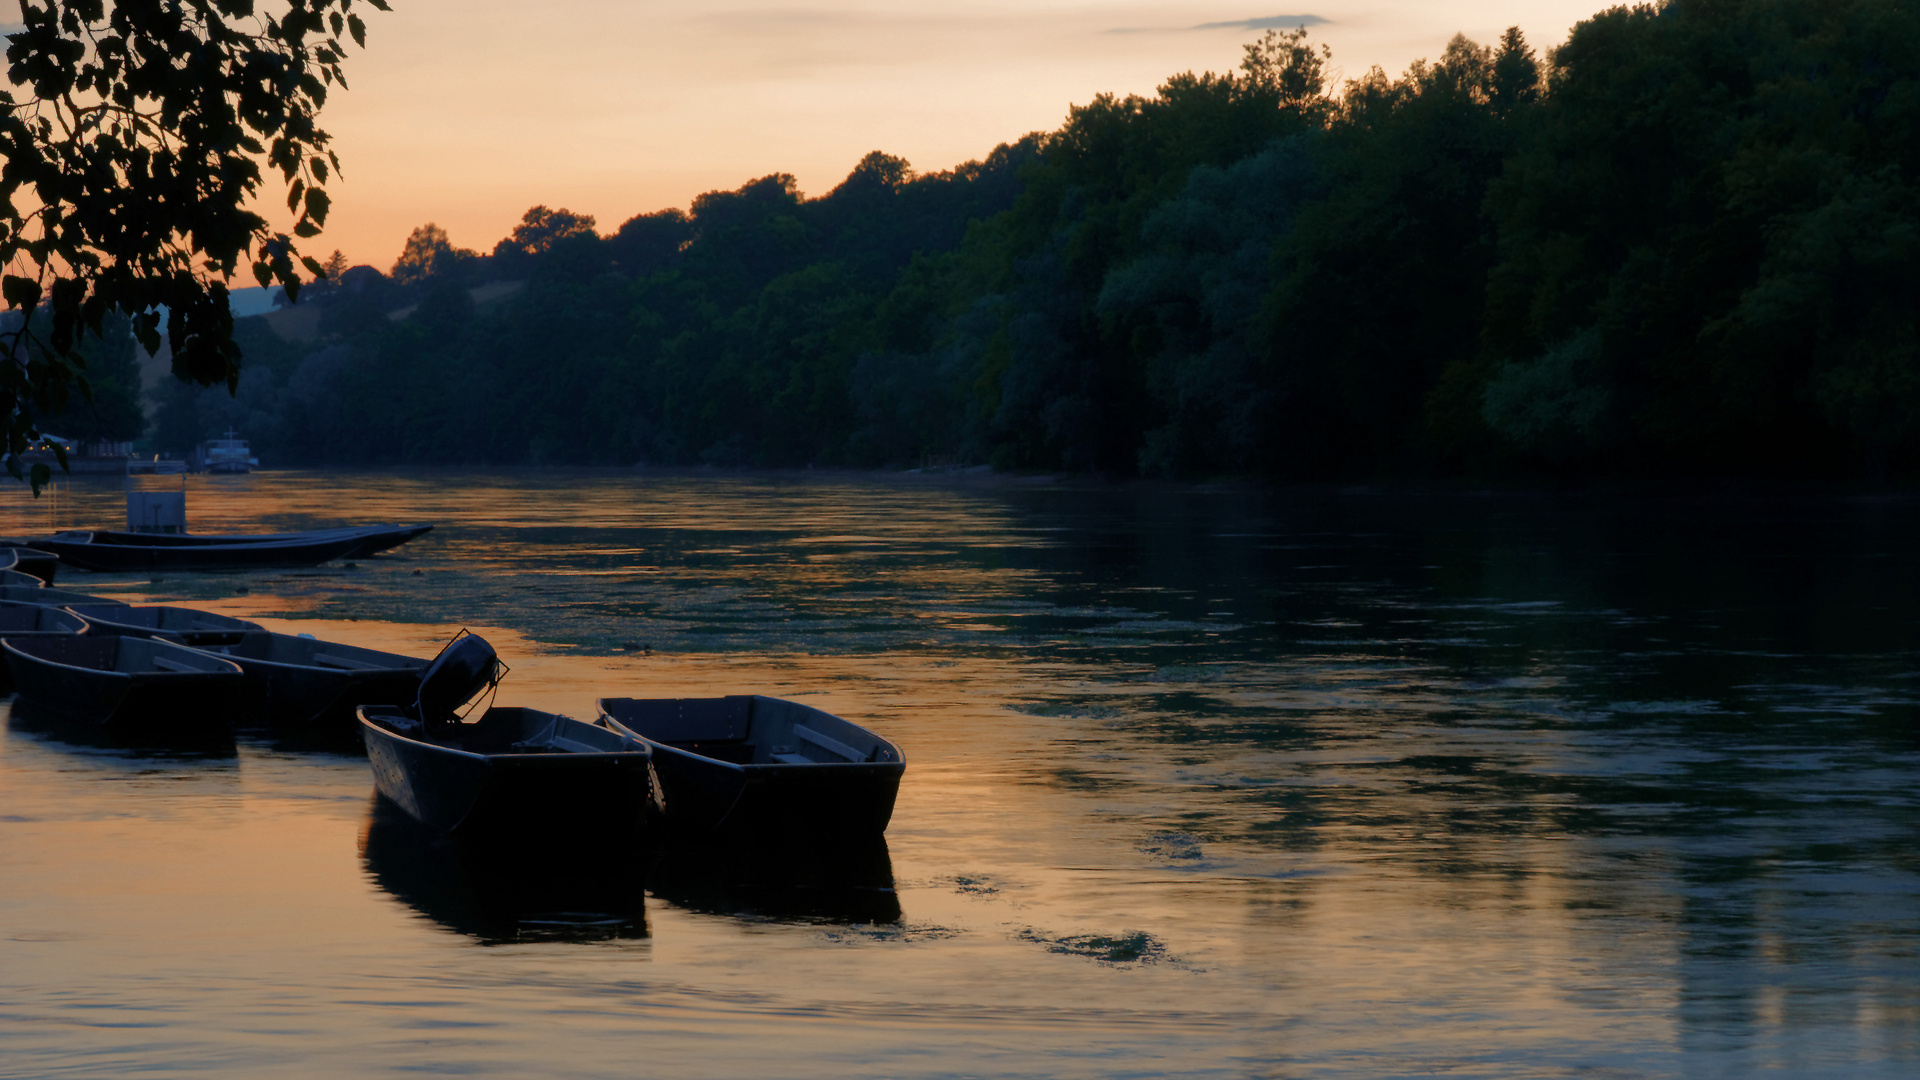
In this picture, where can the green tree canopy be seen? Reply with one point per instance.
(428, 253)
(540, 229)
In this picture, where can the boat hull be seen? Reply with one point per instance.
(125, 685)
(750, 765)
(308, 689)
(22, 621)
(704, 795)
(57, 598)
(41, 564)
(514, 795)
(371, 538)
(122, 558)
(319, 702)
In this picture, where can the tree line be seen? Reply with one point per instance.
(1683, 242)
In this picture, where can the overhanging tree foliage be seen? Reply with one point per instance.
(134, 134)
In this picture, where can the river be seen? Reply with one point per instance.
(1201, 782)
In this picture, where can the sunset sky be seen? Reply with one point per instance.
(466, 112)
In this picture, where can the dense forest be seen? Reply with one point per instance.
(1686, 241)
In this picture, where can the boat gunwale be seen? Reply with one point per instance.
(415, 664)
(568, 755)
(761, 768)
(6, 644)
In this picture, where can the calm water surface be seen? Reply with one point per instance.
(1200, 783)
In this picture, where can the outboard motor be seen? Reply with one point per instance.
(463, 669)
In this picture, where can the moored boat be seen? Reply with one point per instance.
(752, 763)
(35, 620)
(41, 564)
(375, 539)
(20, 580)
(34, 594)
(183, 625)
(133, 685)
(372, 538)
(515, 772)
(21, 621)
(87, 551)
(309, 685)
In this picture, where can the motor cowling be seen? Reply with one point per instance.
(467, 666)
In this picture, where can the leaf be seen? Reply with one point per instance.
(306, 229)
(21, 292)
(318, 203)
(359, 30)
(293, 194)
(42, 476)
(146, 330)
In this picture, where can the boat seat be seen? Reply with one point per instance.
(793, 759)
(344, 663)
(828, 743)
(168, 663)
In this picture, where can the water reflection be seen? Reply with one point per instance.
(127, 741)
(838, 879)
(559, 889)
(1348, 784)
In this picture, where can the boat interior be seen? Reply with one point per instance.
(511, 730)
(18, 618)
(750, 730)
(160, 617)
(311, 652)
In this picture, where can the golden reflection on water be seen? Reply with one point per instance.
(1131, 839)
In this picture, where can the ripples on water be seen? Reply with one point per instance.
(1200, 783)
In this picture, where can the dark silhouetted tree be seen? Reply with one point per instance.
(134, 136)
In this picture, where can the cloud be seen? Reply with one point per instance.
(1271, 22)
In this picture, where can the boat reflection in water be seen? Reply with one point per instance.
(167, 740)
(502, 891)
(780, 876)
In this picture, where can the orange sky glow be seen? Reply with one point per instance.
(466, 113)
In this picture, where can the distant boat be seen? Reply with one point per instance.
(758, 763)
(228, 455)
(134, 686)
(113, 551)
(514, 772)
